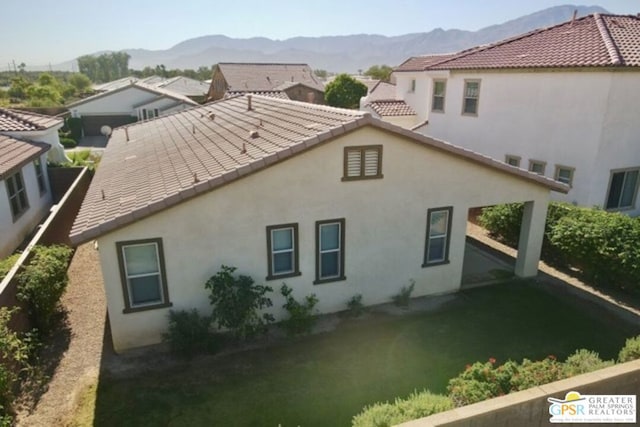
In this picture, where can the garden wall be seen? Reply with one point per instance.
(55, 230)
(530, 407)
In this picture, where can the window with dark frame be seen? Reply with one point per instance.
(282, 247)
(143, 275)
(623, 188)
(439, 88)
(564, 174)
(330, 250)
(471, 97)
(18, 200)
(37, 164)
(362, 162)
(438, 236)
(512, 160)
(537, 166)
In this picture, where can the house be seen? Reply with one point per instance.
(27, 142)
(126, 104)
(559, 101)
(194, 89)
(286, 81)
(381, 103)
(331, 201)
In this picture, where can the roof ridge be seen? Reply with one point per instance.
(13, 114)
(612, 49)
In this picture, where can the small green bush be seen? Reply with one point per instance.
(237, 303)
(481, 381)
(301, 314)
(530, 374)
(42, 283)
(583, 361)
(417, 405)
(355, 307)
(402, 298)
(188, 333)
(630, 351)
(75, 127)
(6, 264)
(503, 222)
(68, 142)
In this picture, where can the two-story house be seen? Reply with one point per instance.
(561, 101)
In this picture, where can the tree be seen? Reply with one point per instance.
(379, 72)
(18, 88)
(344, 91)
(320, 73)
(80, 82)
(106, 67)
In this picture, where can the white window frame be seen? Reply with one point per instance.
(42, 185)
(534, 162)
(272, 274)
(434, 95)
(516, 159)
(558, 178)
(15, 189)
(465, 97)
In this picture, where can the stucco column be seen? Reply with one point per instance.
(531, 235)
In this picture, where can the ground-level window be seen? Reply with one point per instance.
(438, 236)
(439, 88)
(330, 250)
(564, 174)
(471, 97)
(143, 274)
(537, 166)
(362, 162)
(37, 164)
(150, 113)
(282, 246)
(623, 187)
(17, 195)
(512, 160)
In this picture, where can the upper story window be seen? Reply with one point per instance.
(362, 162)
(512, 160)
(537, 166)
(329, 251)
(471, 97)
(439, 89)
(282, 245)
(37, 164)
(143, 275)
(17, 195)
(412, 88)
(436, 249)
(623, 188)
(564, 174)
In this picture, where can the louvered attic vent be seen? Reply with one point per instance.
(363, 162)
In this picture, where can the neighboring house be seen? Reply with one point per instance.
(381, 102)
(293, 81)
(561, 101)
(330, 201)
(191, 88)
(126, 104)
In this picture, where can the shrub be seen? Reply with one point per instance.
(6, 264)
(583, 361)
(42, 283)
(630, 351)
(301, 314)
(481, 381)
(355, 307)
(417, 405)
(188, 333)
(237, 302)
(402, 298)
(75, 127)
(530, 374)
(503, 222)
(68, 142)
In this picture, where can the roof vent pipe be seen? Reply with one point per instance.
(575, 15)
(249, 107)
(126, 132)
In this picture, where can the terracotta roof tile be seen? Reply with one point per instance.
(385, 108)
(420, 63)
(16, 120)
(382, 91)
(256, 77)
(14, 153)
(269, 93)
(152, 165)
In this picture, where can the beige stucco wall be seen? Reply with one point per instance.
(118, 102)
(385, 228)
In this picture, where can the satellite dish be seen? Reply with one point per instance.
(105, 130)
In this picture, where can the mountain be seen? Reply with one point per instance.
(342, 53)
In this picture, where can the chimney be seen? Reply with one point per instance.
(249, 106)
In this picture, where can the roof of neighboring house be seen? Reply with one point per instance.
(184, 85)
(269, 93)
(420, 63)
(382, 91)
(14, 153)
(368, 82)
(391, 107)
(115, 84)
(153, 165)
(597, 40)
(139, 85)
(16, 120)
(252, 77)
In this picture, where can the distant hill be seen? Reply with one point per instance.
(341, 53)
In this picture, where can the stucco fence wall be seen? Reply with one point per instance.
(55, 230)
(530, 407)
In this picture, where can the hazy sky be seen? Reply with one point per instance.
(39, 32)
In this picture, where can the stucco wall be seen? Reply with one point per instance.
(118, 102)
(385, 228)
(13, 233)
(418, 98)
(578, 119)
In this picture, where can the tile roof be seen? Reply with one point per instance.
(269, 93)
(140, 85)
(592, 41)
(382, 91)
(150, 166)
(266, 77)
(420, 63)
(184, 85)
(14, 153)
(16, 121)
(391, 107)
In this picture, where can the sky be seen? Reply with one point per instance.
(41, 32)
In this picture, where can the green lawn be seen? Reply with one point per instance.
(325, 379)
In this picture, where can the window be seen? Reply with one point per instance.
(148, 114)
(623, 187)
(282, 245)
(40, 176)
(564, 174)
(439, 88)
(363, 162)
(512, 160)
(413, 86)
(471, 97)
(436, 249)
(17, 195)
(143, 275)
(537, 166)
(329, 251)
